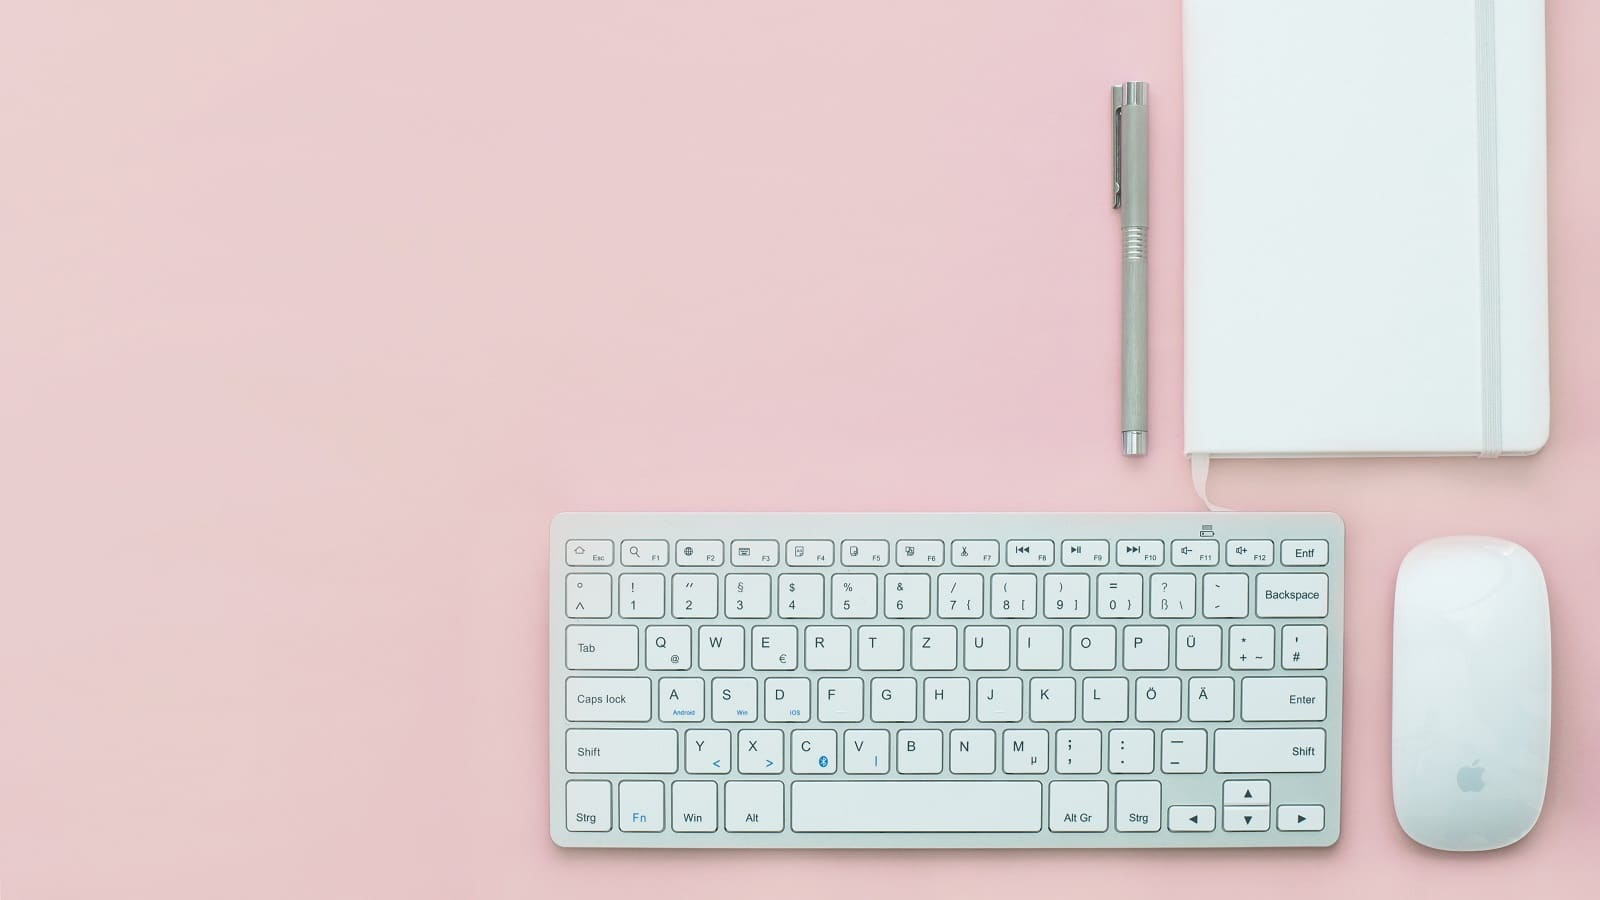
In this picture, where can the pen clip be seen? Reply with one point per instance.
(1118, 98)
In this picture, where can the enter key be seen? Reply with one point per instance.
(1285, 699)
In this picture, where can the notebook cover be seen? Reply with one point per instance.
(1364, 228)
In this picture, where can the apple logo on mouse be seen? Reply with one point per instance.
(1470, 778)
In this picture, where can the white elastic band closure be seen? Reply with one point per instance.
(1489, 229)
(1200, 471)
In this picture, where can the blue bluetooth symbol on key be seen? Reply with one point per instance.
(822, 762)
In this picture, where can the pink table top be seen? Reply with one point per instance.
(316, 313)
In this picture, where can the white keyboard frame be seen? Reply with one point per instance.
(1321, 788)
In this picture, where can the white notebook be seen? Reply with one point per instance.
(1364, 237)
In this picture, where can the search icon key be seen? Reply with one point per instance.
(644, 553)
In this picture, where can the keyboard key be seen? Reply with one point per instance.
(642, 595)
(855, 596)
(894, 699)
(1211, 699)
(1172, 596)
(588, 806)
(755, 553)
(733, 700)
(919, 553)
(1199, 647)
(1078, 751)
(880, 648)
(707, 752)
(588, 595)
(1246, 792)
(1027, 751)
(1300, 595)
(933, 648)
(1051, 700)
(681, 699)
(814, 751)
(986, 648)
(814, 552)
(828, 647)
(1191, 818)
(608, 699)
(800, 596)
(1249, 553)
(774, 648)
(1225, 596)
(1304, 553)
(1141, 553)
(999, 700)
(602, 646)
(1245, 818)
(1030, 553)
(1195, 553)
(1157, 699)
(1300, 817)
(866, 752)
(946, 700)
(641, 806)
(644, 553)
(974, 553)
(760, 752)
(1066, 596)
(1284, 700)
(1270, 750)
(1121, 595)
(1138, 806)
(1085, 553)
(1305, 647)
(721, 648)
(589, 553)
(694, 596)
(1014, 596)
(865, 553)
(906, 596)
(1132, 751)
(622, 750)
(919, 751)
(699, 553)
(1183, 751)
(1105, 700)
(917, 806)
(1144, 647)
(694, 806)
(748, 596)
(1250, 646)
(1094, 647)
(972, 752)
(839, 700)
(960, 596)
(666, 647)
(754, 806)
(1039, 648)
(1078, 805)
(787, 699)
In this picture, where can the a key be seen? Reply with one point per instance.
(986, 647)
(933, 648)
(1039, 648)
(1250, 646)
(753, 805)
(1199, 647)
(827, 648)
(642, 595)
(602, 646)
(1014, 596)
(754, 553)
(588, 595)
(699, 553)
(1144, 647)
(974, 553)
(588, 806)
(644, 553)
(1030, 553)
(1303, 553)
(1248, 553)
(589, 553)
(799, 596)
(865, 553)
(815, 552)
(1172, 596)
(1131, 751)
(1270, 750)
(760, 752)
(1051, 700)
(707, 751)
(919, 751)
(1027, 751)
(1225, 596)
(1183, 751)
(1284, 699)
(1066, 596)
(999, 699)
(787, 699)
(1078, 751)
(666, 647)
(919, 553)
(813, 751)
(622, 750)
(1078, 806)
(935, 806)
(905, 596)
(1085, 553)
(681, 699)
(1157, 699)
(1305, 647)
(1094, 647)
(733, 700)
(1194, 553)
(855, 596)
(1211, 699)
(641, 806)
(1191, 818)
(839, 700)
(1138, 806)
(880, 648)
(866, 752)
(1105, 700)
(608, 699)
(946, 700)
(774, 648)
(971, 752)
(721, 648)
(747, 595)
(1141, 553)
(694, 596)
(960, 596)
(1297, 595)
(894, 699)
(1121, 595)
(694, 806)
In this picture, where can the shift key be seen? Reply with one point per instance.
(624, 750)
(1270, 750)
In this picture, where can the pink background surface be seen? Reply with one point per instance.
(314, 313)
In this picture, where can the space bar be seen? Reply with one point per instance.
(916, 806)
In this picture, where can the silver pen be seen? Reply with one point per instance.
(1130, 192)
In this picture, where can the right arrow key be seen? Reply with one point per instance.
(1300, 818)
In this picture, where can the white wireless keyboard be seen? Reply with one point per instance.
(945, 680)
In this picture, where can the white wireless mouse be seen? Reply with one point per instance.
(1471, 693)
